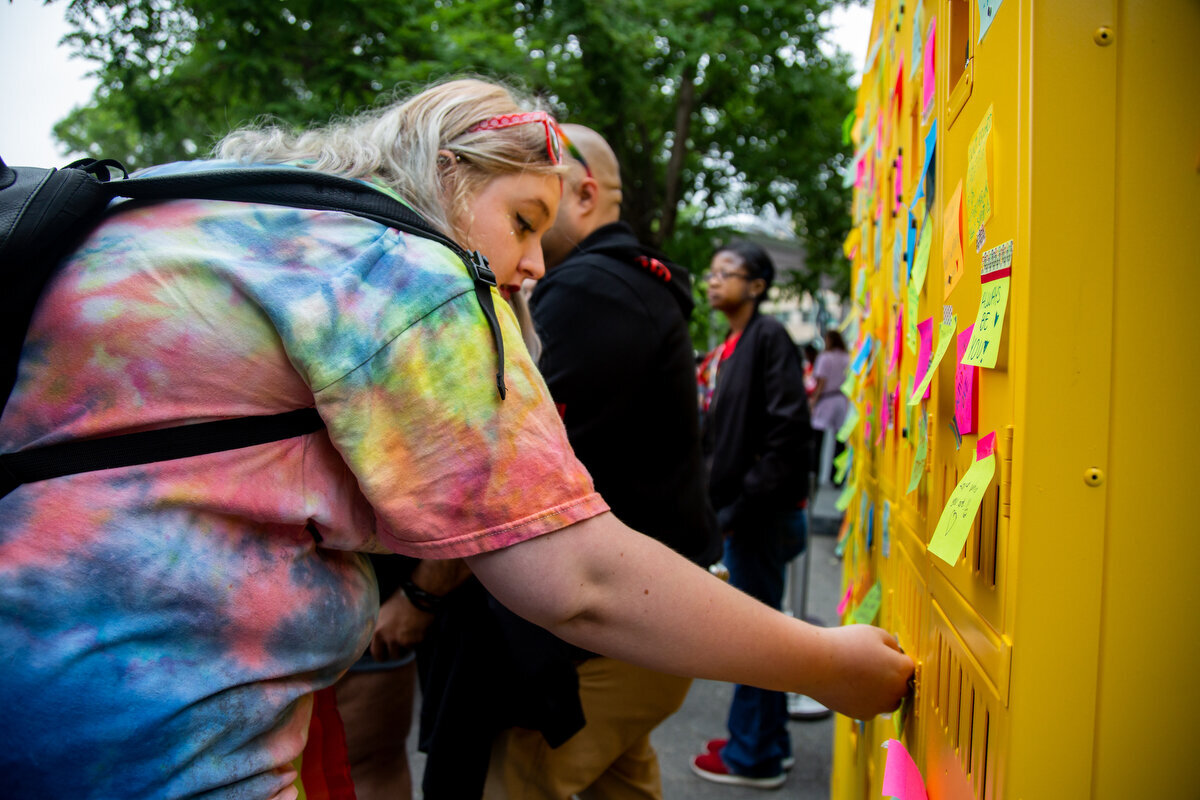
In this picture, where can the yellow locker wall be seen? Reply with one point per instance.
(1057, 657)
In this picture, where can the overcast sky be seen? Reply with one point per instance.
(38, 78)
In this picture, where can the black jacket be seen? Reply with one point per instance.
(618, 358)
(757, 432)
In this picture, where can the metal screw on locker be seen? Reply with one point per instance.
(1103, 36)
(1093, 476)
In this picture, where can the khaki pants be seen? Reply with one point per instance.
(610, 758)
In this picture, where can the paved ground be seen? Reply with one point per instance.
(703, 714)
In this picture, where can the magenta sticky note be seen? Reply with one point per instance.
(841, 609)
(894, 361)
(901, 778)
(884, 411)
(861, 173)
(966, 377)
(925, 354)
(985, 446)
(929, 79)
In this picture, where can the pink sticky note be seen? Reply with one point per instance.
(861, 173)
(928, 81)
(884, 411)
(985, 446)
(966, 377)
(925, 354)
(901, 778)
(841, 609)
(894, 361)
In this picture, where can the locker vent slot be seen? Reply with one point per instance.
(984, 531)
(964, 716)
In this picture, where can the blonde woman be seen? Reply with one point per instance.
(166, 626)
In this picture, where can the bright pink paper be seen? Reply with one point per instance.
(862, 171)
(985, 446)
(841, 609)
(925, 355)
(929, 79)
(884, 410)
(894, 361)
(965, 378)
(901, 778)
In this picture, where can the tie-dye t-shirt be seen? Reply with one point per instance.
(163, 626)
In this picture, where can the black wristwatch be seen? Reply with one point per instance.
(420, 598)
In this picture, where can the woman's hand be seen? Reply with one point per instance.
(867, 674)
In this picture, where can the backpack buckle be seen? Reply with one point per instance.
(480, 272)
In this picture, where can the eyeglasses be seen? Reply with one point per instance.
(554, 134)
(723, 275)
(574, 151)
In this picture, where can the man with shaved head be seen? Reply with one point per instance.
(613, 318)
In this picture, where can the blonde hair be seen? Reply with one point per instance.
(399, 144)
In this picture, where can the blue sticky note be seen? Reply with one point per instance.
(870, 526)
(885, 533)
(987, 12)
(930, 147)
(861, 359)
(911, 247)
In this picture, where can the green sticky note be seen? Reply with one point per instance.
(989, 324)
(924, 246)
(842, 462)
(900, 714)
(993, 301)
(916, 283)
(848, 426)
(847, 387)
(946, 333)
(959, 514)
(847, 496)
(918, 468)
(868, 609)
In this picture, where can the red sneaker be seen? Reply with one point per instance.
(717, 745)
(710, 767)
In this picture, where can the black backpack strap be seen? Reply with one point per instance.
(148, 447)
(303, 188)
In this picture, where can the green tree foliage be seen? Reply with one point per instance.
(714, 108)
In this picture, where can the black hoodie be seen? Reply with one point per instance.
(618, 358)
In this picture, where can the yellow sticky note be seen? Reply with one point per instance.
(993, 301)
(952, 252)
(851, 243)
(959, 514)
(979, 170)
(945, 334)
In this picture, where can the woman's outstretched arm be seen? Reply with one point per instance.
(602, 586)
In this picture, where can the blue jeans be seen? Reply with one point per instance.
(757, 560)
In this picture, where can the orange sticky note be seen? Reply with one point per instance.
(952, 251)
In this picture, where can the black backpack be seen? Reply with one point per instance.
(45, 214)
